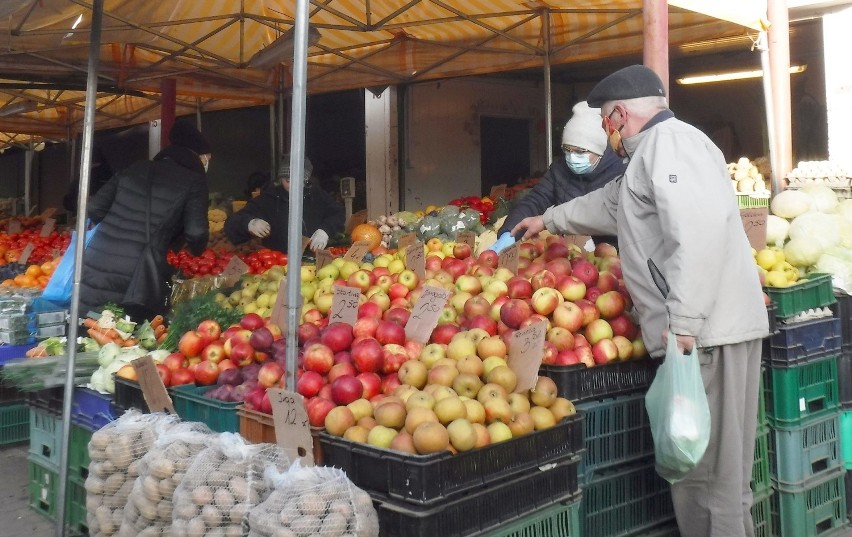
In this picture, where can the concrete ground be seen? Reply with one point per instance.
(16, 518)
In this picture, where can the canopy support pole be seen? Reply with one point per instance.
(28, 178)
(82, 202)
(548, 105)
(655, 31)
(273, 146)
(779, 72)
(168, 99)
(761, 44)
(297, 171)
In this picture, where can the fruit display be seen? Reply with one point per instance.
(747, 179)
(391, 228)
(44, 248)
(830, 174)
(367, 232)
(216, 219)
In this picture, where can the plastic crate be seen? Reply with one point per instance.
(434, 478)
(128, 394)
(43, 480)
(843, 310)
(798, 455)
(616, 431)
(844, 379)
(580, 383)
(625, 500)
(258, 428)
(847, 479)
(796, 394)
(482, 510)
(191, 405)
(92, 409)
(761, 514)
(13, 352)
(813, 511)
(9, 393)
(78, 452)
(772, 312)
(666, 530)
(762, 421)
(45, 437)
(75, 520)
(49, 400)
(747, 201)
(846, 437)
(558, 521)
(760, 467)
(803, 342)
(14, 424)
(816, 292)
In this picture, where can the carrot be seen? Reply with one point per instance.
(162, 337)
(157, 321)
(88, 322)
(99, 338)
(160, 329)
(36, 352)
(129, 342)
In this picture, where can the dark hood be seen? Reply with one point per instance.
(182, 156)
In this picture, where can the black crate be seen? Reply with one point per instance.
(844, 379)
(848, 483)
(50, 399)
(9, 393)
(842, 309)
(804, 342)
(477, 511)
(430, 479)
(580, 383)
(128, 394)
(772, 311)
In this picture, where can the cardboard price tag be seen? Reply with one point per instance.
(526, 349)
(14, 227)
(754, 224)
(153, 389)
(578, 240)
(49, 212)
(415, 259)
(406, 240)
(467, 237)
(292, 429)
(305, 242)
(47, 228)
(344, 305)
(324, 257)
(509, 258)
(425, 314)
(357, 251)
(497, 191)
(26, 253)
(235, 268)
(278, 315)
(357, 218)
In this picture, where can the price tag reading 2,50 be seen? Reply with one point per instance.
(292, 429)
(526, 349)
(344, 305)
(425, 314)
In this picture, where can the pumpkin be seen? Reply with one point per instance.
(367, 232)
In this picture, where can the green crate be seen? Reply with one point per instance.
(191, 405)
(816, 292)
(14, 423)
(846, 437)
(45, 437)
(746, 201)
(562, 520)
(78, 452)
(761, 514)
(800, 393)
(43, 480)
(666, 530)
(762, 422)
(760, 468)
(798, 455)
(809, 511)
(75, 520)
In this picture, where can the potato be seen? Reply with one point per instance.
(151, 531)
(217, 479)
(233, 531)
(119, 455)
(239, 488)
(179, 450)
(283, 532)
(306, 525)
(151, 488)
(311, 504)
(342, 508)
(162, 468)
(238, 513)
(100, 440)
(147, 508)
(164, 510)
(185, 511)
(202, 495)
(133, 468)
(178, 528)
(94, 485)
(334, 525)
(107, 468)
(223, 499)
(211, 516)
(196, 528)
(166, 488)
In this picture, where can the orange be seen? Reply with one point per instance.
(33, 271)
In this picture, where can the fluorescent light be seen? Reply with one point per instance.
(734, 75)
(280, 50)
(19, 107)
(722, 42)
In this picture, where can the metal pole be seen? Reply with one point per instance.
(297, 166)
(761, 45)
(779, 60)
(28, 178)
(548, 105)
(272, 145)
(655, 31)
(85, 168)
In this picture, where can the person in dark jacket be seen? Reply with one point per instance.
(267, 215)
(100, 174)
(588, 165)
(178, 188)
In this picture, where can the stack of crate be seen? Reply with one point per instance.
(843, 311)
(14, 415)
(802, 406)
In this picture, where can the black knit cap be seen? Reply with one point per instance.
(628, 83)
(184, 134)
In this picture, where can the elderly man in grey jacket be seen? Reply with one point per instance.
(674, 206)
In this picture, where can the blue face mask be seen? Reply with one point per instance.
(580, 163)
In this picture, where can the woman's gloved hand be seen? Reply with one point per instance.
(259, 228)
(319, 240)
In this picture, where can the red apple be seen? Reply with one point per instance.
(313, 316)
(342, 357)
(308, 331)
(325, 391)
(261, 339)
(519, 287)
(390, 332)
(397, 315)
(270, 374)
(372, 383)
(175, 361)
(309, 383)
(514, 312)
(213, 352)
(191, 344)
(605, 249)
(561, 337)
(484, 322)
(182, 376)
(556, 250)
(367, 355)
(165, 374)
(607, 281)
(337, 337)
(398, 290)
(365, 327)
(585, 272)
(394, 356)
(567, 357)
(590, 311)
(476, 305)
(545, 300)
(206, 373)
(462, 250)
(210, 330)
(543, 278)
(623, 326)
(488, 258)
(346, 389)
(443, 333)
(592, 294)
(605, 351)
(369, 309)
(610, 304)
(318, 408)
(585, 355)
(598, 330)
(390, 383)
(359, 279)
(571, 287)
(226, 364)
(251, 321)
(341, 370)
(318, 358)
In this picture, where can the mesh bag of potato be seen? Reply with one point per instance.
(115, 451)
(148, 511)
(220, 487)
(313, 501)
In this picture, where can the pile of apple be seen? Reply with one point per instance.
(367, 384)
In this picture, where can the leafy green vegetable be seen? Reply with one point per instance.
(115, 308)
(188, 315)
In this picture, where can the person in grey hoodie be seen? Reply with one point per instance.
(674, 206)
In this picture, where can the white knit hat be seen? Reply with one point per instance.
(584, 129)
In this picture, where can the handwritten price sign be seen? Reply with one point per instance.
(324, 257)
(415, 259)
(509, 258)
(425, 314)
(47, 228)
(406, 240)
(344, 305)
(26, 253)
(357, 251)
(498, 191)
(292, 429)
(754, 224)
(235, 268)
(526, 349)
(467, 237)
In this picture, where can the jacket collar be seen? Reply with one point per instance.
(630, 144)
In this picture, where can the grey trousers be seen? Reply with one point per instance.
(714, 500)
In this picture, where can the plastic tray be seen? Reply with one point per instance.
(803, 342)
(796, 394)
(761, 514)
(78, 452)
(817, 292)
(430, 479)
(42, 488)
(616, 431)
(558, 521)
(128, 394)
(92, 409)
(49, 400)
(580, 383)
(14, 423)
(843, 310)
(482, 510)
(626, 500)
(191, 405)
(13, 352)
(801, 454)
(45, 437)
(812, 511)
(760, 467)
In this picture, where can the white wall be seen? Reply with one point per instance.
(442, 133)
(838, 85)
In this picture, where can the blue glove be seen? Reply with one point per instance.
(505, 240)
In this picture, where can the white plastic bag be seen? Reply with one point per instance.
(679, 414)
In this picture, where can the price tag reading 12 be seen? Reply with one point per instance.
(526, 349)
(292, 429)
(344, 305)
(415, 260)
(509, 258)
(425, 314)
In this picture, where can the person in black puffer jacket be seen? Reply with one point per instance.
(178, 185)
(267, 215)
(588, 165)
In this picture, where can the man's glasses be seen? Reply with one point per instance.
(571, 150)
